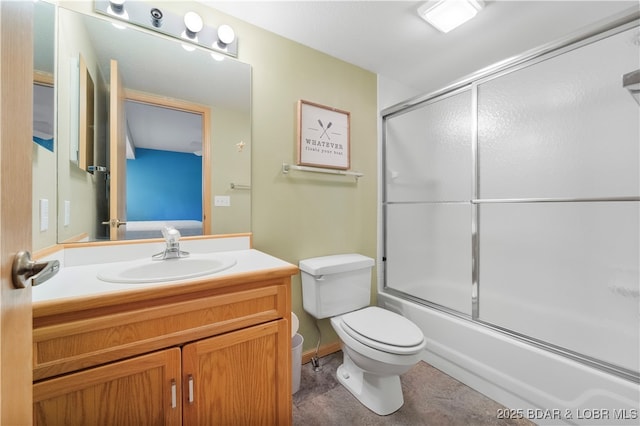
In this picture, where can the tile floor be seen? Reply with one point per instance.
(431, 398)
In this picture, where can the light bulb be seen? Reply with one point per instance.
(194, 23)
(226, 35)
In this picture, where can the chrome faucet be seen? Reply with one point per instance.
(172, 250)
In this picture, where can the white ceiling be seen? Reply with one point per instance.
(154, 127)
(388, 37)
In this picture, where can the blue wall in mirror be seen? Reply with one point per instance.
(164, 185)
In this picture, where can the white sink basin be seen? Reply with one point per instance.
(150, 271)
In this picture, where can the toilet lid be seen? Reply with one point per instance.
(373, 324)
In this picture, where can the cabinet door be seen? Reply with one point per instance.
(138, 391)
(239, 378)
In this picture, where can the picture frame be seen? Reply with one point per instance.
(323, 136)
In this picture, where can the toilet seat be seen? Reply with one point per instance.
(383, 330)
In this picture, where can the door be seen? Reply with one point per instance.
(16, 90)
(117, 156)
(239, 378)
(143, 390)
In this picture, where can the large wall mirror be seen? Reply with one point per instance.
(180, 116)
(43, 144)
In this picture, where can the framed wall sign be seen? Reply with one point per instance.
(323, 136)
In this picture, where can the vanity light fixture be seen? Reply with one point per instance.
(446, 15)
(193, 25)
(116, 8)
(189, 28)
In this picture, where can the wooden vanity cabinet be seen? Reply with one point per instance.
(206, 355)
(137, 391)
(238, 378)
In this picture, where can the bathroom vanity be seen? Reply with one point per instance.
(209, 350)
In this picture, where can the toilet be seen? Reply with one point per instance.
(378, 345)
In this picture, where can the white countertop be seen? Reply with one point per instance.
(81, 280)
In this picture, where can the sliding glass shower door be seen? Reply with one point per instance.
(514, 201)
(428, 210)
(558, 167)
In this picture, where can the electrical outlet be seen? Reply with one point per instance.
(222, 201)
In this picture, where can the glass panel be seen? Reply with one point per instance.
(565, 273)
(428, 152)
(564, 127)
(429, 252)
(151, 79)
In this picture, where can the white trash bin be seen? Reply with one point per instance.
(296, 361)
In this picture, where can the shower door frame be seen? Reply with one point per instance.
(597, 32)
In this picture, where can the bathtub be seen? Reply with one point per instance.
(533, 383)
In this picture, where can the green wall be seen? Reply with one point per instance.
(304, 215)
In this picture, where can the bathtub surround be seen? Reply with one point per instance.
(511, 231)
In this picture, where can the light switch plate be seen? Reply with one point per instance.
(222, 201)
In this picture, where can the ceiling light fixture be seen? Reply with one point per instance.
(446, 15)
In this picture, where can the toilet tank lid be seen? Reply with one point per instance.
(335, 264)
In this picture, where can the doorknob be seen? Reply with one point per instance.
(24, 269)
(115, 223)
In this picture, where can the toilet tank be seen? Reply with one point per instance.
(334, 285)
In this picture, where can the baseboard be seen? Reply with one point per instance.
(324, 350)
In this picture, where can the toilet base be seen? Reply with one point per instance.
(380, 394)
